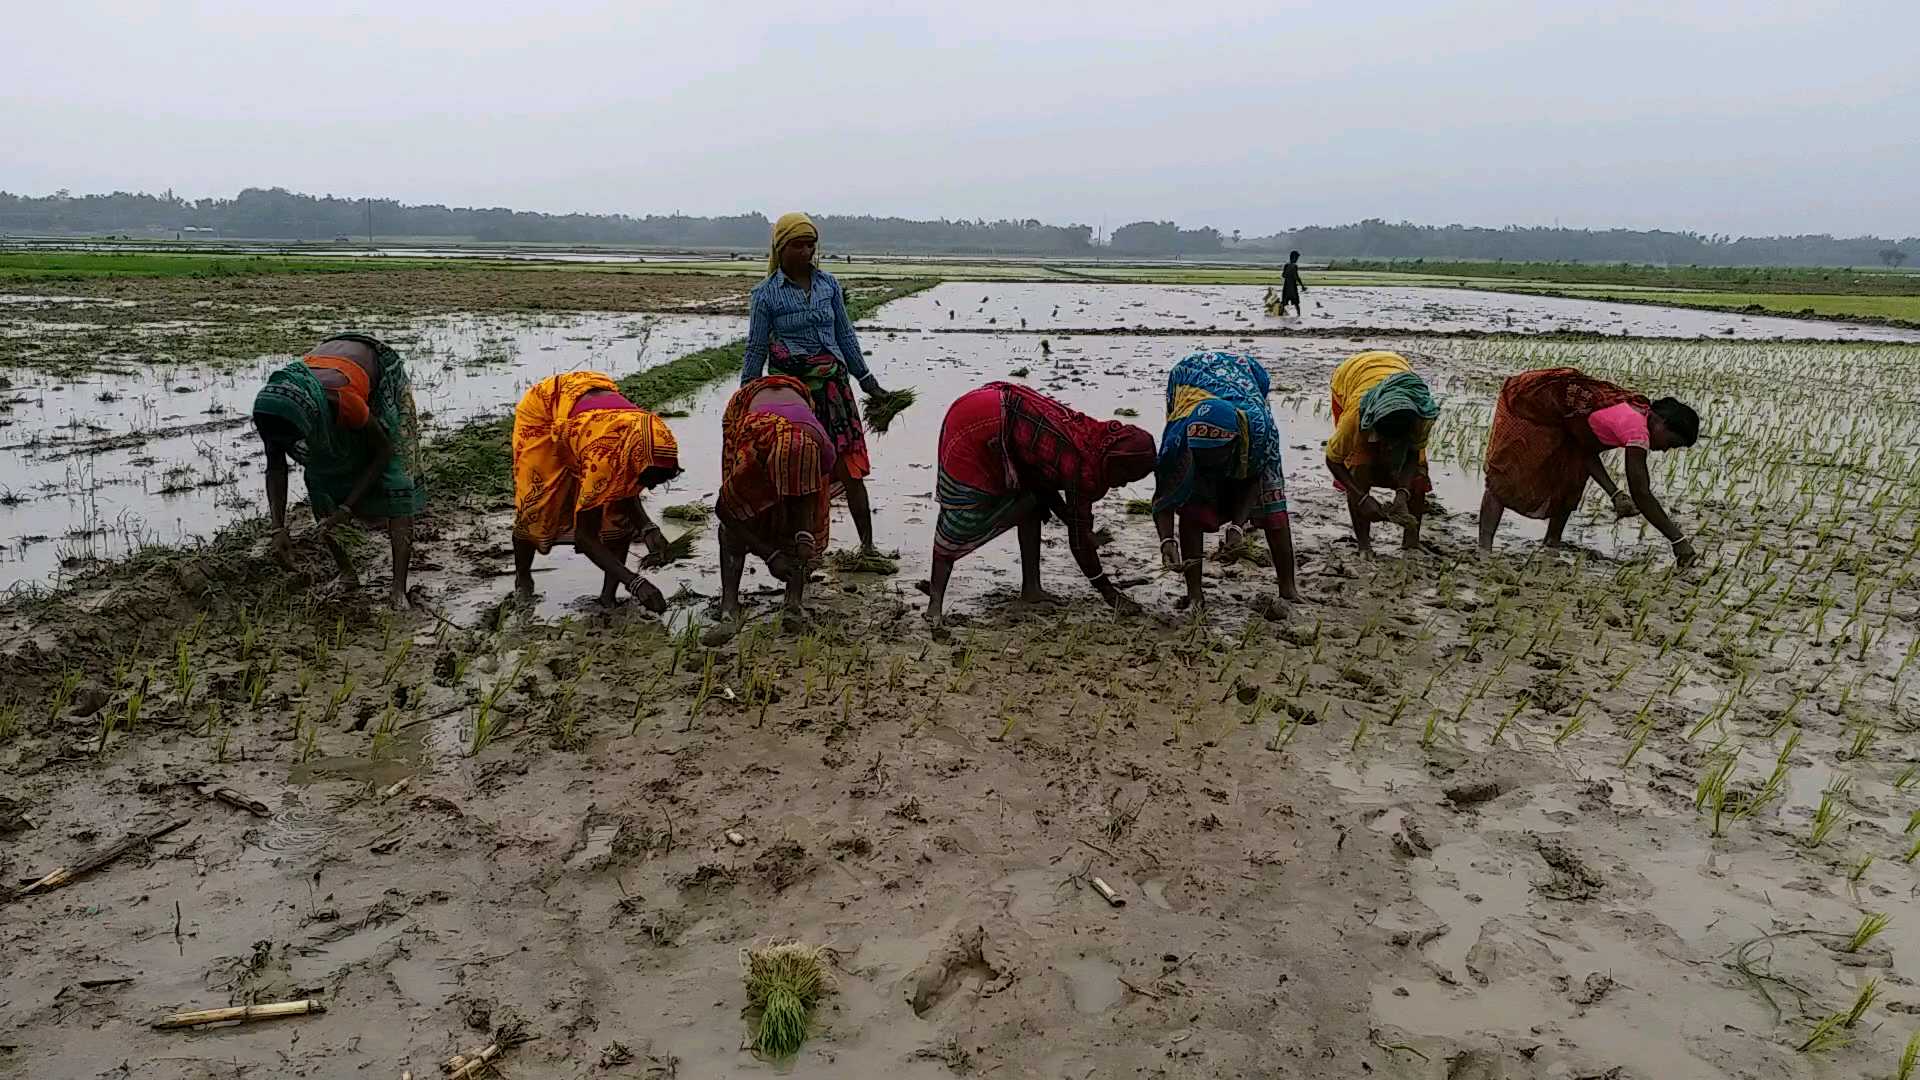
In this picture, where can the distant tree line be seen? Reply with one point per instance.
(278, 214)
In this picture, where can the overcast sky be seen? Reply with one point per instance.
(1742, 117)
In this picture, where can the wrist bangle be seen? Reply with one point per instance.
(1097, 577)
(1676, 543)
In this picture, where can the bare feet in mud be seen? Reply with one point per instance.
(397, 600)
(523, 588)
(721, 632)
(1038, 599)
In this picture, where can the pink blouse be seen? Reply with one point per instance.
(1620, 425)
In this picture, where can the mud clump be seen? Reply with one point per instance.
(1572, 878)
(783, 866)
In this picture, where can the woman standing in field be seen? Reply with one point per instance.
(799, 327)
(1550, 428)
(345, 413)
(1220, 467)
(582, 454)
(1009, 457)
(776, 463)
(1382, 415)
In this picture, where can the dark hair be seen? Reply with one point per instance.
(1293, 256)
(1397, 424)
(1680, 420)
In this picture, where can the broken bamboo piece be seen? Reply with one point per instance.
(464, 1066)
(395, 788)
(1106, 892)
(235, 799)
(96, 859)
(243, 1013)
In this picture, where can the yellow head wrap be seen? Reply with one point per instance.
(789, 227)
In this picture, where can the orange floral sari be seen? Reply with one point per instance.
(601, 459)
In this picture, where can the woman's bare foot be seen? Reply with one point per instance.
(721, 632)
(1037, 598)
(397, 600)
(523, 587)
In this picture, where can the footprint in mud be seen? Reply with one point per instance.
(294, 832)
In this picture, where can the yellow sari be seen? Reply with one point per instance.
(599, 459)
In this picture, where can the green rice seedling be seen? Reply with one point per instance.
(1859, 870)
(693, 512)
(880, 409)
(256, 686)
(398, 657)
(221, 729)
(484, 728)
(310, 746)
(9, 722)
(135, 701)
(1621, 676)
(339, 632)
(1399, 707)
(1500, 728)
(63, 694)
(1574, 725)
(1359, 733)
(1828, 1034)
(383, 734)
(785, 981)
(895, 670)
(1912, 852)
(1286, 726)
(1863, 735)
(1909, 1058)
(1430, 730)
(1907, 777)
(1139, 507)
(1826, 817)
(1787, 714)
(1711, 791)
(339, 698)
(1870, 926)
(705, 693)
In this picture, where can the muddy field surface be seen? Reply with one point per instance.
(1335, 309)
(1545, 814)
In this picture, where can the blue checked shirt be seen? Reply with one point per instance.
(807, 324)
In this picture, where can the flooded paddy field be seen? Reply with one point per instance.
(1542, 815)
(1336, 309)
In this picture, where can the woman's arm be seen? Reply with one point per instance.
(1641, 484)
(277, 470)
(759, 339)
(586, 537)
(1598, 470)
(850, 343)
(382, 454)
(1079, 518)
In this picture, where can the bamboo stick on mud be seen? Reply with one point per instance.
(96, 859)
(244, 1013)
(235, 799)
(464, 1066)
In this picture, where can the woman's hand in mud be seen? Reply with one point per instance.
(1683, 554)
(784, 566)
(647, 593)
(282, 548)
(1170, 554)
(1123, 604)
(1623, 505)
(1370, 509)
(333, 521)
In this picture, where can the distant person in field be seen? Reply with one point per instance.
(776, 466)
(799, 327)
(1290, 284)
(1382, 415)
(582, 455)
(1550, 428)
(1010, 457)
(1219, 468)
(345, 413)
